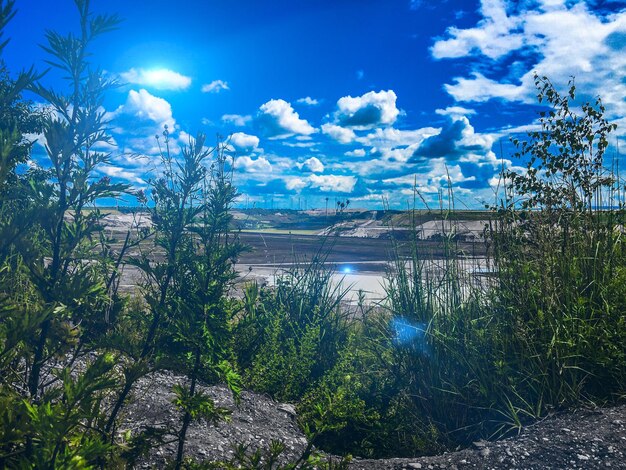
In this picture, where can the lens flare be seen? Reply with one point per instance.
(409, 334)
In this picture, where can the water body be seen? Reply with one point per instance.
(367, 279)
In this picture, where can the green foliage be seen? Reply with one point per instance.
(56, 294)
(343, 412)
(59, 272)
(61, 437)
(560, 267)
(199, 405)
(566, 169)
(188, 290)
(290, 335)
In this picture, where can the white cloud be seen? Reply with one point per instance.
(554, 38)
(307, 100)
(370, 110)
(313, 164)
(144, 106)
(161, 79)
(391, 137)
(244, 142)
(236, 119)
(455, 111)
(494, 36)
(248, 165)
(299, 144)
(480, 88)
(278, 119)
(457, 140)
(340, 134)
(295, 183)
(355, 153)
(121, 173)
(333, 183)
(135, 123)
(215, 86)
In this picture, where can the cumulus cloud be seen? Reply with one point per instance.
(494, 36)
(236, 119)
(143, 106)
(160, 79)
(307, 100)
(398, 156)
(278, 119)
(355, 153)
(122, 173)
(295, 184)
(367, 111)
(340, 134)
(455, 111)
(243, 142)
(555, 38)
(333, 183)
(215, 86)
(479, 88)
(390, 137)
(247, 164)
(313, 165)
(135, 123)
(456, 140)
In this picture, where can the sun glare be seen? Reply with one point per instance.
(158, 76)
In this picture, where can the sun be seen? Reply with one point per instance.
(157, 77)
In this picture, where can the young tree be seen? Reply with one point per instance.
(559, 254)
(176, 195)
(186, 289)
(566, 168)
(73, 131)
(202, 310)
(64, 300)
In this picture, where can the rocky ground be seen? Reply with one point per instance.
(585, 439)
(255, 421)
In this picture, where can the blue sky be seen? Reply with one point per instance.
(356, 99)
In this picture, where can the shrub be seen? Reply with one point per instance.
(289, 335)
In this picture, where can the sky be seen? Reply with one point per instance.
(363, 100)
